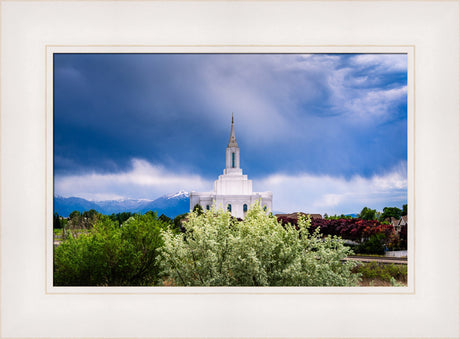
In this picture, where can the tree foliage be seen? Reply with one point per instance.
(404, 210)
(178, 220)
(360, 231)
(121, 217)
(218, 250)
(390, 212)
(78, 221)
(374, 245)
(368, 214)
(166, 219)
(336, 217)
(57, 222)
(198, 209)
(109, 255)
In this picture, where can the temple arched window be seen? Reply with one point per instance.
(229, 207)
(245, 207)
(233, 160)
(207, 207)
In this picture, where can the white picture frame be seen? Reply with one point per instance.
(427, 31)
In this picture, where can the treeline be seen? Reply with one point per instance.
(372, 214)
(82, 220)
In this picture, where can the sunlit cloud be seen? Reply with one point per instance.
(389, 62)
(303, 192)
(336, 195)
(143, 180)
(376, 103)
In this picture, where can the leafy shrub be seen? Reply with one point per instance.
(218, 250)
(107, 254)
(383, 272)
(368, 214)
(78, 221)
(374, 245)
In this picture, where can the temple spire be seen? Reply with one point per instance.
(232, 142)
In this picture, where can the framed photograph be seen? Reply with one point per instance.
(339, 110)
(155, 154)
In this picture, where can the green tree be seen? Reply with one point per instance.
(178, 221)
(166, 219)
(56, 221)
(74, 214)
(90, 214)
(121, 217)
(389, 212)
(374, 245)
(404, 210)
(368, 214)
(198, 209)
(110, 255)
(218, 250)
(80, 221)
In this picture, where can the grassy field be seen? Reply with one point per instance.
(378, 274)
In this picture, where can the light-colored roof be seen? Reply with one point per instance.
(403, 220)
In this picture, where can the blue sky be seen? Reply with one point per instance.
(327, 133)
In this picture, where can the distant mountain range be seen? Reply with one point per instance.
(170, 205)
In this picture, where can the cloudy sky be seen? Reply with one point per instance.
(326, 133)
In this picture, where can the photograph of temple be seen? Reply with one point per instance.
(233, 189)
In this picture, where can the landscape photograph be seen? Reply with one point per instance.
(248, 170)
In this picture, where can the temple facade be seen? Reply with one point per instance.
(232, 190)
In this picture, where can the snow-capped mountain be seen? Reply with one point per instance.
(171, 205)
(179, 195)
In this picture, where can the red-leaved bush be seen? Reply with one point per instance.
(355, 229)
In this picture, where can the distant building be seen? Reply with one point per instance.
(401, 222)
(397, 223)
(393, 221)
(233, 190)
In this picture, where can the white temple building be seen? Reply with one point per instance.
(232, 190)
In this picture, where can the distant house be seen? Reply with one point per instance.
(394, 222)
(401, 222)
(397, 223)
